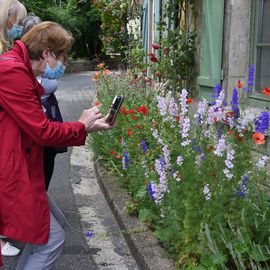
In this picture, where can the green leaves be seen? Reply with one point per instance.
(217, 231)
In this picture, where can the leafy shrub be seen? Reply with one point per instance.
(192, 169)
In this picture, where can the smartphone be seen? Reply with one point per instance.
(115, 108)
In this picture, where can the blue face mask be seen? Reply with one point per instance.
(15, 31)
(54, 73)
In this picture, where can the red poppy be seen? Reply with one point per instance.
(118, 157)
(129, 132)
(124, 110)
(134, 117)
(138, 126)
(157, 73)
(166, 50)
(131, 111)
(258, 138)
(229, 114)
(153, 59)
(113, 152)
(240, 84)
(151, 55)
(189, 100)
(142, 109)
(155, 46)
(177, 118)
(266, 91)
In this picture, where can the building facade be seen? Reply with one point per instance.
(232, 35)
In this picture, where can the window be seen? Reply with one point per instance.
(260, 56)
(260, 46)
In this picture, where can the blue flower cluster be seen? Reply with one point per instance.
(125, 160)
(150, 191)
(262, 122)
(215, 96)
(250, 81)
(89, 234)
(242, 191)
(143, 146)
(234, 103)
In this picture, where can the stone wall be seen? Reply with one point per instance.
(78, 66)
(236, 42)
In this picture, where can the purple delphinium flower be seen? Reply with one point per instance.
(234, 103)
(242, 191)
(173, 111)
(167, 157)
(262, 161)
(250, 81)
(183, 102)
(207, 193)
(150, 191)
(143, 146)
(229, 163)
(125, 160)
(202, 106)
(179, 160)
(262, 122)
(89, 234)
(220, 147)
(161, 171)
(162, 105)
(215, 112)
(217, 90)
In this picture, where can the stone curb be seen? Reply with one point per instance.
(143, 245)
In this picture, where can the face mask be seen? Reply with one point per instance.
(54, 73)
(15, 31)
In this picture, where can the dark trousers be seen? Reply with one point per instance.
(48, 161)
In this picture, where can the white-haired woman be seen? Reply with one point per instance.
(12, 12)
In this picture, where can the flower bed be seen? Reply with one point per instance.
(192, 170)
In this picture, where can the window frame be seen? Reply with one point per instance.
(258, 99)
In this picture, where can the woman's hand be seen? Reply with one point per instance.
(88, 117)
(93, 120)
(101, 124)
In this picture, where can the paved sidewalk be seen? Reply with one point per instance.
(143, 245)
(100, 235)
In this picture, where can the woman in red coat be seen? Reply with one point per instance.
(25, 131)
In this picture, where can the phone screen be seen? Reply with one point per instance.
(116, 105)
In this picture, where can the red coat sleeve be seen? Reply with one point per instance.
(20, 99)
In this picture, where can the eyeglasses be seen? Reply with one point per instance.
(62, 54)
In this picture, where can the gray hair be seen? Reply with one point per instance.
(29, 22)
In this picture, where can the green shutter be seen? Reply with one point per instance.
(156, 19)
(211, 46)
(145, 25)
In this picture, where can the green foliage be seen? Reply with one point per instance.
(113, 17)
(79, 17)
(210, 210)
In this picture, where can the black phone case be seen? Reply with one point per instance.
(114, 110)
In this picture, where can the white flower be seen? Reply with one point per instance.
(221, 147)
(228, 174)
(207, 192)
(262, 161)
(179, 160)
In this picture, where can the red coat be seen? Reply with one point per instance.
(24, 131)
